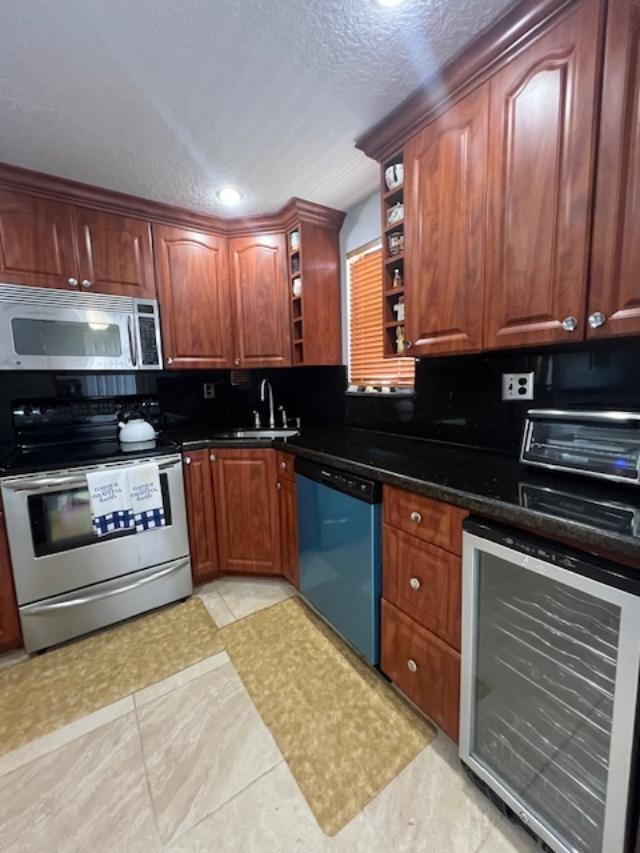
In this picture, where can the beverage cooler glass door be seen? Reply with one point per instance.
(549, 688)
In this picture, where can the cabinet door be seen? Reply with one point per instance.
(288, 529)
(446, 179)
(10, 633)
(36, 241)
(114, 253)
(201, 515)
(261, 301)
(541, 142)
(614, 291)
(247, 516)
(195, 301)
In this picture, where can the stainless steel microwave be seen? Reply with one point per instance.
(47, 329)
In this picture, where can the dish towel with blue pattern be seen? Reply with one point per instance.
(110, 501)
(146, 496)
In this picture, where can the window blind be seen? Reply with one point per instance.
(367, 365)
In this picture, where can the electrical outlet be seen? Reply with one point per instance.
(517, 386)
(209, 390)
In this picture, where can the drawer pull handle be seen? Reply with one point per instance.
(414, 583)
(412, 666)
(416, 517)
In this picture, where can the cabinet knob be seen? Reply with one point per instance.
(187, 460)
(72, 282)
(570, 324)
(597, 319)
(416, 517)
(212, 457)
(236, 361)
(415, 583)
(278, 486)
(284, 466)
(86, 283)
(412, 666)
(169, 361)
(408, 344)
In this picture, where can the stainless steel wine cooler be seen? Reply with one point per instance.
(549, 692)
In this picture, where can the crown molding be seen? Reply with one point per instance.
(296, 210)
(472, 66)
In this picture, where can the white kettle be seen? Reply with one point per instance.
(135, 428)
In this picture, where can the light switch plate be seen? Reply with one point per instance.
(517, 386)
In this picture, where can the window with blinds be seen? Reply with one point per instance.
(367, 365)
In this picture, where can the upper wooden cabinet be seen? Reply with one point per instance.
(36, 241)
(541, 154)
(260, 300)
(195, 299)
(614, 293)
(114, 253)
(445, 192)
(48, 243)
(247, 510)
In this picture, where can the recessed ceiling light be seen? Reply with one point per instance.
(229, 195)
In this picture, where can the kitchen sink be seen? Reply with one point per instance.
(256, 434)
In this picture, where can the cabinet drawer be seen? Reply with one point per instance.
(424, 582)
(422, 666)
(286, 466)
(432, 521)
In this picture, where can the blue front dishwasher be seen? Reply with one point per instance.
(339, 539)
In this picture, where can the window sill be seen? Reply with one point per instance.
(385, 395)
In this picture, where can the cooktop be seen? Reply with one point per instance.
(56, 434)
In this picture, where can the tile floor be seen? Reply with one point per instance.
(187, 766)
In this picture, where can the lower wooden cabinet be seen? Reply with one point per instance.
(422, 666)
(247, 512)
(288, 520)
(10, 633)
(201, 515)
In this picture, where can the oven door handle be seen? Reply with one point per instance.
(72, 481)
(36, 609)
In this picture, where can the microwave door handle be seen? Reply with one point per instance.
(133, 343)
(34, 609)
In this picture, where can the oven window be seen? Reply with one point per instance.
(65, 338)
(61, 521)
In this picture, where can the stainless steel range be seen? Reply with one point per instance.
(68, 581)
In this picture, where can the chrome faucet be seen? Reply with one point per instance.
(263, 386)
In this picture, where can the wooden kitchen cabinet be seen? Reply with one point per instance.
(195, 298)
(36, 241)
(288, 512)
(445, 197)
(614, 292)
(201, 515)
(260, 293)
(541, 157)
(424, 581)
(247, 510)
(422, 666)
(114, 253)
(48, 243)
(10, 633)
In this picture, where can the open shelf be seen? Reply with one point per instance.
(394, 259)
(393, 264)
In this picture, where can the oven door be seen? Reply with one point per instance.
(53, 546)
(43, 329)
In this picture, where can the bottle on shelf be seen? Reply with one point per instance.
(400, 347)
(397, 277)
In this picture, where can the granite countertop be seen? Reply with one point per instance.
(589, 512)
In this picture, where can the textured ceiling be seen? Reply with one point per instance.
(171, 99)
